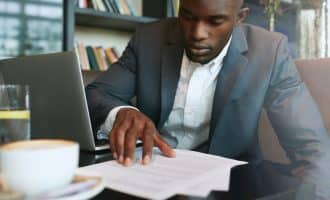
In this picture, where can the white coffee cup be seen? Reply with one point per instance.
(37, 166)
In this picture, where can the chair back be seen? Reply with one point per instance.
(316, 75)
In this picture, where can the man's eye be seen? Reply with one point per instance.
(216, 21)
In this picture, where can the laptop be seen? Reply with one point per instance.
(57, 97)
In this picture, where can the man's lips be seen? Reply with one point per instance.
(198, 50)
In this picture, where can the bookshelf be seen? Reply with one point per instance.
(83, 21)
(109, 20)
(73, 16)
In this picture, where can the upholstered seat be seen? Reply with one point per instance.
(316, 74)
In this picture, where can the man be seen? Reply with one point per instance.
(203, 79)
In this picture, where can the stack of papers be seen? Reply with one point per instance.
(189, 173)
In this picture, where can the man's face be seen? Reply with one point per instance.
(207, 26)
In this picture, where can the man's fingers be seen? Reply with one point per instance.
(113, 145)
(148, 144)
(130, 142)
(119, 139)
(163, 146)
(128, 127)
(120, 142)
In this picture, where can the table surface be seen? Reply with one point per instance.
(240, 181)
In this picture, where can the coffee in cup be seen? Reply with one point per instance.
(38, 166)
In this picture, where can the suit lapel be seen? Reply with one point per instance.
(233, 66)
(172, 54)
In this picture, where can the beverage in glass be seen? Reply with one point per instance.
(14, 113)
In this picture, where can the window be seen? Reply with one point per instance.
(30, 27)
(305, 22)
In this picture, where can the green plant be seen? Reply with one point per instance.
(271, 8)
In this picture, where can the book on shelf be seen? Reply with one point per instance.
(176, 6)
(173, 7)
(114, 6)
(111, 55)
(109, 6)
(100, 58)
(115, 51)
(95, 58)
(100, 5)
(132, 8)
(92, 58)
(119, 6)
(123, 7)
(82, 56)
(94, 5)
(82, 3)
(77, 55)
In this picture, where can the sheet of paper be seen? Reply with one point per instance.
(165, 177)
(220, 182)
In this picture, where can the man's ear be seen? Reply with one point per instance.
(242, 14)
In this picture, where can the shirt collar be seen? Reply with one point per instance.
(215, 63)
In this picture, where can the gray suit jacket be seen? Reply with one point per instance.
(257, 73)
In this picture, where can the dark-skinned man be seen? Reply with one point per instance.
(200, 82)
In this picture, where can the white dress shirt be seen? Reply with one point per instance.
(189, 119)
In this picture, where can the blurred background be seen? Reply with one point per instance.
(30, 27)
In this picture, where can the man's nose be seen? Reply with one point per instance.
(199, 31)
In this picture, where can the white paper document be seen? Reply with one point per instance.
(189, 173)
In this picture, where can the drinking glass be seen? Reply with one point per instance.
(14, 113)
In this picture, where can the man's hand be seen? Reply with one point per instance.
(131, 125)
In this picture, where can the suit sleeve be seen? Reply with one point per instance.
(296, 119)
(115, 87)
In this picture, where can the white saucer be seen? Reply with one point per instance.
(88, 193)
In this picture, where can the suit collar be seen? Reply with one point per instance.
(239, 43)
(171, 58)
(233, 68)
